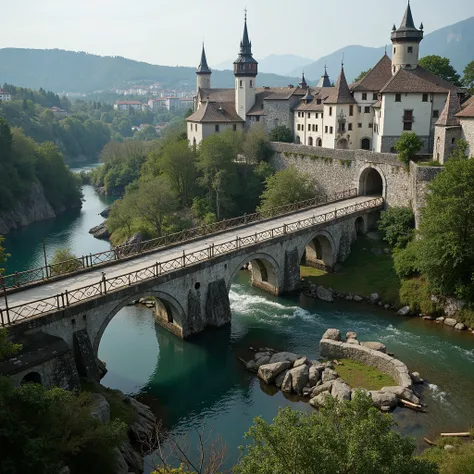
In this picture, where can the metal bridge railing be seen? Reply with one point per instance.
(19, 279)
(10, 315)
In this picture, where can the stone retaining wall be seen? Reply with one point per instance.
(340, 350)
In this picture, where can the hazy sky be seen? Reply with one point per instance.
(170, 32)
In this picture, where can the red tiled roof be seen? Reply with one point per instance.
(128, 102)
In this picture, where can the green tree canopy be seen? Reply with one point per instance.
(441, 67)
(407, 146)
(286, 187)
(345, 437)
(281, 133)
(397, 225)
(256, 146)
(468, 77)
(64, 261)
(446, 253)
(362, 75)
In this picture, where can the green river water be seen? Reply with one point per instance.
(200, 383)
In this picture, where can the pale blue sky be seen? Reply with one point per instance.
(170, 32)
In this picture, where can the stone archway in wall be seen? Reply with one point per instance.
(32, 377)
(320, 252)
(168, 312)
(265, 273)
(360, 226)
(371, 182)
(342, 144)
(365, 143)
(319, 142)
(310, 141)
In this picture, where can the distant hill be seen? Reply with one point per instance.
(59, 70)
(455, 42)
(275, 64)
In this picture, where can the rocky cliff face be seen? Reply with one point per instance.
(32, 208)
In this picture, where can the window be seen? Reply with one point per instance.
(398, 97)
(370, 125)
(366, 110)
(351, 110)
(326, 129)
(394, 51)
(251, 83)
(317, 115)
(309, 127)
(425, 98)
(241, 84)
(410, 49)
(331, 130)
(408, 120)
(407, 126)
(435, 113)
(453, 141)
(257, 118)
(195, 126)
(309, 115)
(375, 97)
(217, 128)
(310, 141)
(394, 69)
(330, 111)
(314, 128)
(234, 127)
(359, 125)
(349, 127)
(342, 127)
(322, 115)
(364, 96)
(359, 109)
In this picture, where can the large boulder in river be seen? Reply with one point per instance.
(280, 378)
(340, 390)
(324, 294)
(302, 361)
(268, 372)
(287, 384)
(314, 376)
(299, 378)
(384, 400)
(284, 357)
(375, 346)
(333, 334)
(100, 232)
(402, 393)
(451, 322)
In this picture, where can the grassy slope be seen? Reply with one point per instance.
(363, 272)
(358, 375)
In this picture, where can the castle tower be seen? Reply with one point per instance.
(303, 84)
(406, 43)
(245, 72)
(203, 73)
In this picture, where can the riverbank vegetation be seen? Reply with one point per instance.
(358, 375)
(24, 162)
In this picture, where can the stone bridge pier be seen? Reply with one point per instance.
(189, 299)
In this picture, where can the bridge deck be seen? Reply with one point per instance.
(50, 288)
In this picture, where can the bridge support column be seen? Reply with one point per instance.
(84, 356)
(196, 324)
(291, 271)
(218, 311)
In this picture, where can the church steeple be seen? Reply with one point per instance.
(303, 84)
(324, 81)
(245, 64)
(203, 73)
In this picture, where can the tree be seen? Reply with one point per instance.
(64, 261)
(256, 146)
(441, 67)
(122, 214)
(3, 255)
(7, 348)
(286, 187)
(362, 75)
(407, 146)
(281, 133)
(397, 225)
(460, 152)
(446, 254)
(468, 78)
(345, 437)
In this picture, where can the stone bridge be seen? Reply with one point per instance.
(61, 321)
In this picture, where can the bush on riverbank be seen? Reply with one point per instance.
(397, 226)
(456, 460)
(416, 294)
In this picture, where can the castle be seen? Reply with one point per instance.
(396, 95)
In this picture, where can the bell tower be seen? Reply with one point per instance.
(406, 43)
(203, 73)
(245, 72)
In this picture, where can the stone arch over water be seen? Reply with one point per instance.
(371, 181)
(320, 252)
(266, 273)
(167, 309)
(32, 377)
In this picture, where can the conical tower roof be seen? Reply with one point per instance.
(245, 64)
(448, 115)
(303, 84)
(407, 20)
(324, 81)
(341, 93)
(407, 30)
(203, 68)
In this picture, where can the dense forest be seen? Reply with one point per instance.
(24, 162)
(83, 132)
(61, 70)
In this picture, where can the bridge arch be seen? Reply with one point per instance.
(371, 181)
(32, 377)
(320, 251)
(168, 310)
(265, 271)
(360, 226)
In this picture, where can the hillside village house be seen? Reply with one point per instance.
(4, 96)
(126, 105)
(397, 95)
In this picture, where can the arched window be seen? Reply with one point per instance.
(310, 141)
(365, 144)
(319, 142)
(297, 139)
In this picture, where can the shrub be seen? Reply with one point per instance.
(459, 460)
(397, 226)
(416, 294)
(407, 146)
(281, 134)
(64, 261)
(406, 260)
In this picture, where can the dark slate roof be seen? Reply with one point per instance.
(375, 79)
(407, 30)
(203, 68)
(417, 80)
(341, 93)
(448, 115)
(217, 95)
(215, 112)
(303, 84)
(467, 109)
(260, 95)
(407, 20)
(324, 81)
(245, 54)
(319, 93)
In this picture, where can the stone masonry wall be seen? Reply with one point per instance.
(336, 170)
(340, 350)
(279, 112)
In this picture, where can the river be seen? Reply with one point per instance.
(201, 384)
